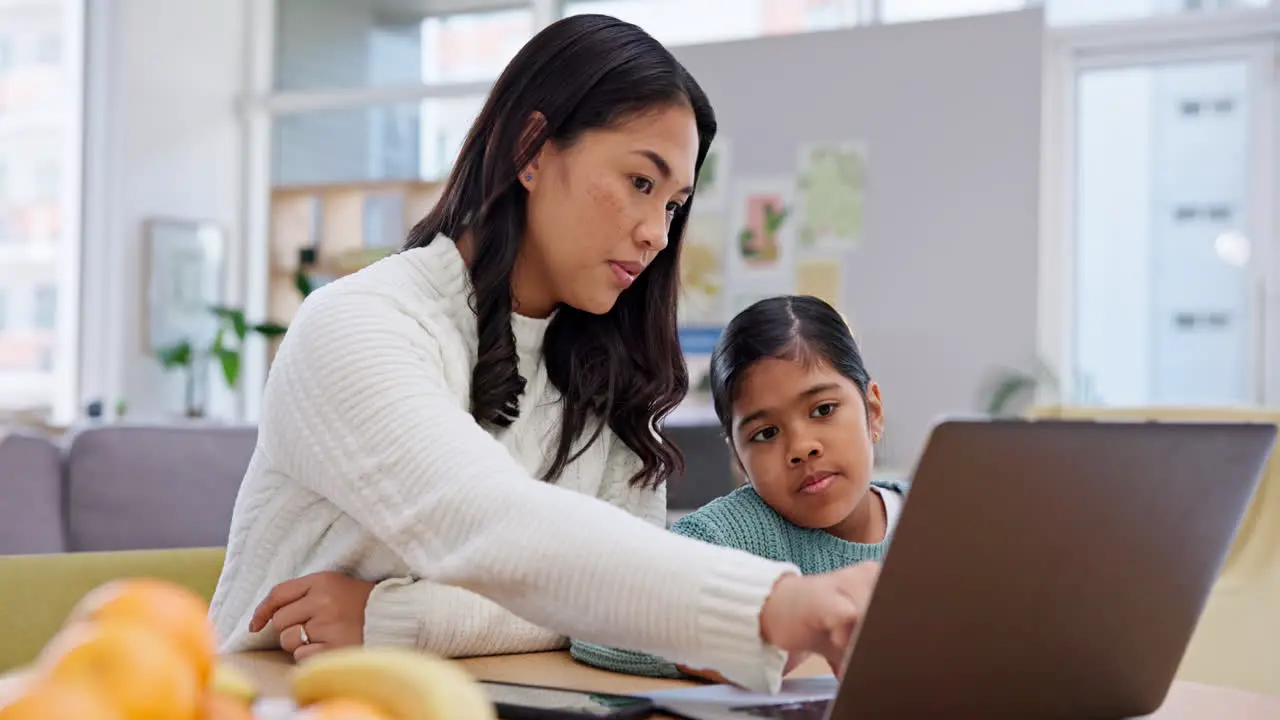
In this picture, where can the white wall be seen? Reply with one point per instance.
(942, 288)
(163, 138)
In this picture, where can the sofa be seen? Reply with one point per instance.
(121, 487)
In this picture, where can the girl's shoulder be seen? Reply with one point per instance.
(897, 485)
(740, 519)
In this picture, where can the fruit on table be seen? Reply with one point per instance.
(230, 696)
(43, 699)
(231, 682)
(136, 669)
(401, 684)
(168, 608)
(342, 709)
(217, 706)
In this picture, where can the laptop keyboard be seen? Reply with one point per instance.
(805, 710)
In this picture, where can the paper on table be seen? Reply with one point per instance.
(818, 687)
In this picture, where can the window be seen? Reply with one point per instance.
(1074, 12)
(40, 131)
(44, 180)
(332, 44)
(1057, 12)
(472, 47)
(49, 49)
(379, 142)
(908, 10)
(687, 22)
(44, 315)
(1165, 302)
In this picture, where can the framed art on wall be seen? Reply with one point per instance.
(184, 269)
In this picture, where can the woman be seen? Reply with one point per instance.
(434, 427)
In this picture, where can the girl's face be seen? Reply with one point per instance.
(599, 210)
(804, 437)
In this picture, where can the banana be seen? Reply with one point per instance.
(401, 683)
(231, 681)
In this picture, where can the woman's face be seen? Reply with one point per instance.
(599, 210)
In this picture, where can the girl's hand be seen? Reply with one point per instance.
(818, 613)
(315, 612)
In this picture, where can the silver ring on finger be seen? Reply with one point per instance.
(302, 634)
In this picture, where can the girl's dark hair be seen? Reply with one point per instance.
(624, 367)
(793, 327)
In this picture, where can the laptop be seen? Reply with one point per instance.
(1040, 568)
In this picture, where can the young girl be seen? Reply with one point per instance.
(801, 416)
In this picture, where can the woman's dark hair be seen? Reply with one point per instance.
(625, 367)
(790, 327)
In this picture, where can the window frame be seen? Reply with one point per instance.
(1250, 34)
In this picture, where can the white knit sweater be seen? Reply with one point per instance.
(368, 462)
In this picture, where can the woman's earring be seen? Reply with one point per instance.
(528, 177)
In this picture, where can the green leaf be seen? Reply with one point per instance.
(173, 356)
(773, 218)
(235, 317)
(303, 282)
(1008, 389)
(230, 362)
(270, 330)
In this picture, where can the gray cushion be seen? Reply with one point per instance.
(30, 496)
(143, 488)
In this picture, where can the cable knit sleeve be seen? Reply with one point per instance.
(449, 621)
(453, 622)
(640, 663)
(357, 410)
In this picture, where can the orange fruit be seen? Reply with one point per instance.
(133, 666)
(342, 709)
(171, 609)
(220, 706)
(50, 700)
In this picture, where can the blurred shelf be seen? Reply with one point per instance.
(334, 230)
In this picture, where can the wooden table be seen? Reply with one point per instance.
(1187, 701)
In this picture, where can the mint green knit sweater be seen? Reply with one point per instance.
(742, 520)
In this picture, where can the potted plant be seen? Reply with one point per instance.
(226, 349)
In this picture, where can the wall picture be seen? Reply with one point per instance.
(830, 189)
(763, 209)
(184, 271)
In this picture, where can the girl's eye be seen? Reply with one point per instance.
(765, 434)
(824, 410)
(643, 184)
(672, 207)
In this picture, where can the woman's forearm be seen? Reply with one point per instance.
(449, 621)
